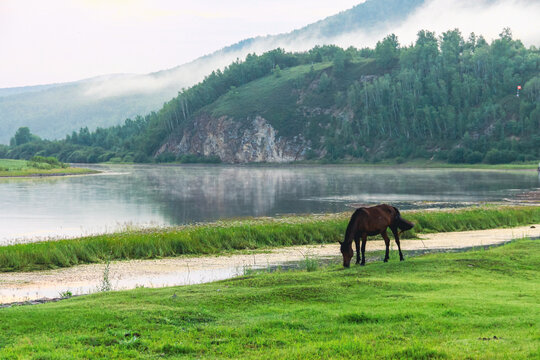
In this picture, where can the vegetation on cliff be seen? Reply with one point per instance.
(445, 98)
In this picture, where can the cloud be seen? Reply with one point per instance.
(484, 17)
(487, 18)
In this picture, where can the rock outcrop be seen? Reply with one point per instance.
(254, 140)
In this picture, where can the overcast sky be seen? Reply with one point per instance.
(47, 41)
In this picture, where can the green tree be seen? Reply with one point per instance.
(22, 136)
(387, 51)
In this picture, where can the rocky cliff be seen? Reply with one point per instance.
(254, 140)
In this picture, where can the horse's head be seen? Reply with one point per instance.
(347, 252)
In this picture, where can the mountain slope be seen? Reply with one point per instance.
(443, 98)
(52, 111)
(361, 109)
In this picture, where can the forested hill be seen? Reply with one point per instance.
(444, 97)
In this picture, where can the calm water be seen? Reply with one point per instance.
(36, 209)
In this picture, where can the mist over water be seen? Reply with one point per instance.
(150, 195)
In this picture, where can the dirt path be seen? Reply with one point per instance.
(190, 270)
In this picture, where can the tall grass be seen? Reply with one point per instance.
(239, 235)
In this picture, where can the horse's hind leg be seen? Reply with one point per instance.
(387, 243)
(357, 242)
(396, 236)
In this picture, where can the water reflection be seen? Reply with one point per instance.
(164, 195)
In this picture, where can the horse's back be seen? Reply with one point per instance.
(373, 220)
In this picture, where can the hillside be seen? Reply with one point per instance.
(52, 111)
(443, 98)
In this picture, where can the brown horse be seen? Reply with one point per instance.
(372, 221)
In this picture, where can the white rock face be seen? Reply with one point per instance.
(236, 142)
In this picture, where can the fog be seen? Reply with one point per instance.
(487, 18)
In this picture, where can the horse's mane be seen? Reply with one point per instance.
(348, 237)
(398, 214)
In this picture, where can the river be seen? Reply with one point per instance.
(125, 196)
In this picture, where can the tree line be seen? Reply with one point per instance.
(443, 97)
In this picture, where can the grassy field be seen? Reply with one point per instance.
(474, 305)
(22, 168)
(222, 237)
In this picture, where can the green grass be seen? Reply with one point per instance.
(227, 236)
(271, 97)
(474, 305)
(22, 168)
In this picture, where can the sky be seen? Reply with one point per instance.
(66, 40)
(43, 42)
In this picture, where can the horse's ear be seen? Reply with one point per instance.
(340, 242)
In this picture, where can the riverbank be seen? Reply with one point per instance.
(411, 164)
(230, 236)
(187, 270)
(419, 163)
(21, 168)
(478, 304)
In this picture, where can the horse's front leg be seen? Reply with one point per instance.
(364, 240)
(387, 243)
(357, 243)
(396, 236)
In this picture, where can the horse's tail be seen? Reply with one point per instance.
(401, 223)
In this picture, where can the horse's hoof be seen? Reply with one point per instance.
(402, 259)
(362, 264)
(385, 260)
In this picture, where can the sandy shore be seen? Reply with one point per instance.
(190, 270)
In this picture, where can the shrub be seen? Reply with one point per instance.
(198, 159)
(165, 157)
(45, 163)
(456, 156)
(473, 157)
(500, 156)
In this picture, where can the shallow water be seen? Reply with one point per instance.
(152, 195)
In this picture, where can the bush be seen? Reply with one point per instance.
(106, 156)
(116, 159)
(128, 158)
(141, 157)
(500, 156)
(456, 156)
(45, 163)
(3, 151)
(311, 154)
(77, 156)
(165, 157)
(198, 159)
(473, 157)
